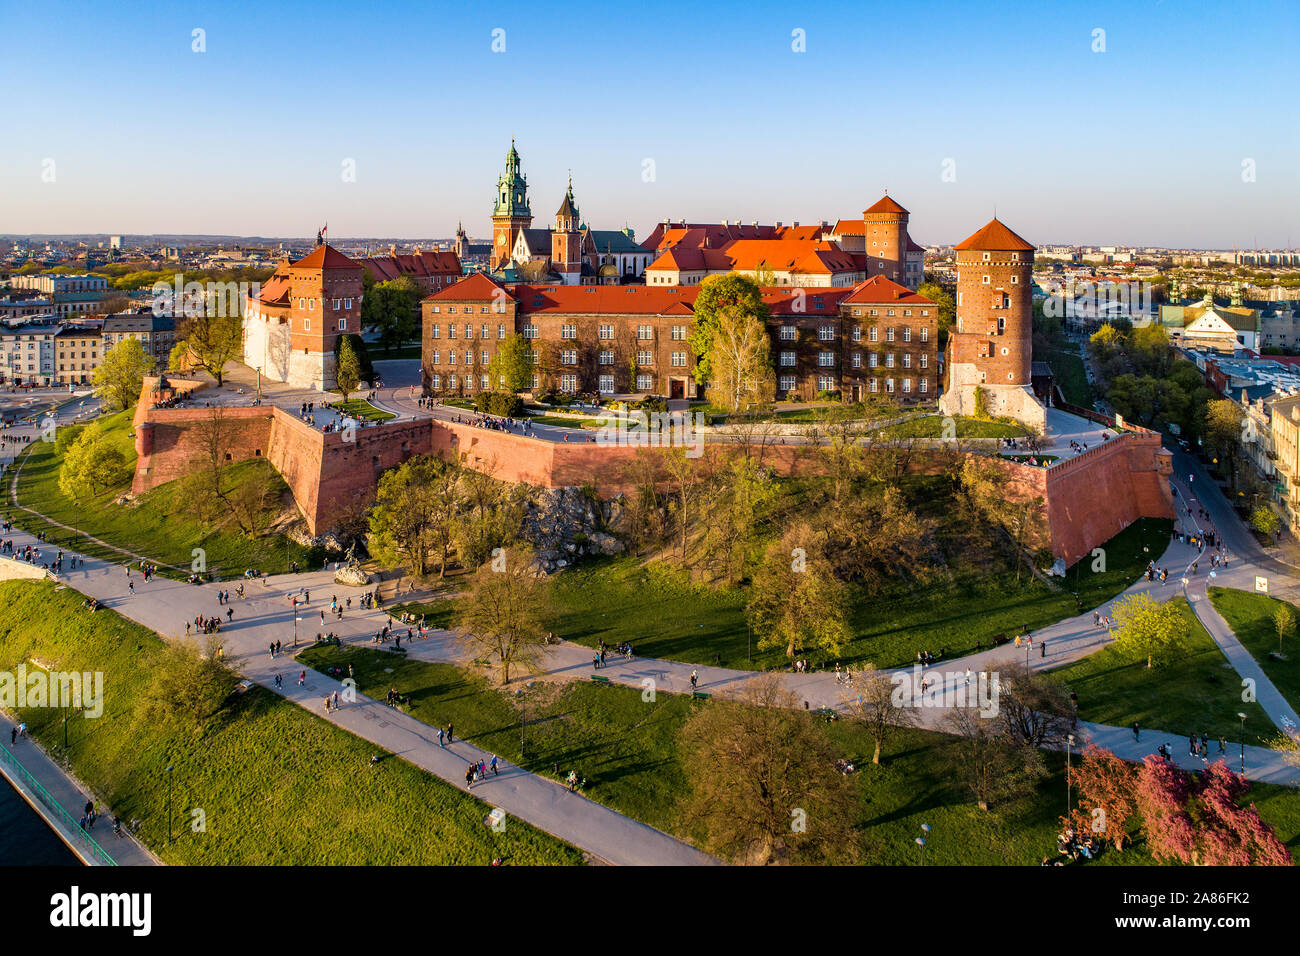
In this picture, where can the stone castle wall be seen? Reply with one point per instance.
(1086, 500)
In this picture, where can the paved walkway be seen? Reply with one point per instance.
(72, 796)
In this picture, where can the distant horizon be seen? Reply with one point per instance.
(1098, 121)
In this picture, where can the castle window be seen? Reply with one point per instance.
(435, 330)
(925, 361)
(1015, 280)
(873, 334)
(826, 359)
(607, 357)
(857, 360)
(645, 383)
(787, 359)
(451, 328)
(645, 332)
(679, 359)
(607, 331)
(568, 331)
(343, 325)
(924, 385)
(787, 333)
(306, 325)
(645, 357)
(530, 331)
(874, 385)
(501, 331)
(988, 256)
(826, 333)
(433, 357)
(907, 386)
(907, 333)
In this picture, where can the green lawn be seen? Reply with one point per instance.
(362, 410)
(135, 527)
(1195, 691)
(931, 426)
(561, 421)
(1250, 616)
(1068, 368)
(436, 613)
(276, 784)
(626, 748)
(664, 614)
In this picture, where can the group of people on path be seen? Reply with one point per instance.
(478, 770)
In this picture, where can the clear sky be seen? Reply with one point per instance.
(1143, 143)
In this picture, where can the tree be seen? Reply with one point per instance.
(763, 781)
(684, 477)
(208, 342)
(796, 602)
(1283, 623)
(1265, 520)
(414, 515)
(870, 701)
(391, 309)
(733, 294)
(1146, 628)
(988, 493)
(1198, 819)
(348, 372)
(1106, 786)
(1224, 421)
(91, 463)
(740, 360)
(1034, 709)
(499, 614)
(512, 366)
(189, 683)
(947, 307)
(992, 766)
(120, 377)
(742, 497)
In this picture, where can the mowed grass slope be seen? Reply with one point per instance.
(664, 614)
(159, 524)
(276, 784)
(1192, 691)
(627, 748)
(1250, 616)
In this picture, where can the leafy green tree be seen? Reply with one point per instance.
(722, 297)
(1265, 520)
(208, 342)
(120, 376)
(1145, 627)
(392, 310)
(1283, 623)
(414, 515)
(512, 366)
(796, 602)
(92, 463)
(947, 307)
(348, 371)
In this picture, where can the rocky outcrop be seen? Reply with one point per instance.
(563, 524)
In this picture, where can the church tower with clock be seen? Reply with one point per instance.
(510, 215)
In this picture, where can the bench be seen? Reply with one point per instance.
(599, 679)
(701, 695)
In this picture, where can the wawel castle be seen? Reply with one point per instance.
(608, 315)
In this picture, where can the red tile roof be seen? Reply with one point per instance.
(850, 227)
(325, 256)
(995, 237)
(885, 204)
(878, 290)
(420, 265)
(473, 288)
(275, 290)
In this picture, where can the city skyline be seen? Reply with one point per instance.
(254, 136)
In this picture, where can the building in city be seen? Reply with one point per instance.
(156, 333)
(79, 350)
(432, 270)
(27, 354)
(990, 349)
(293, 322)
(69, 294)
(875, 339)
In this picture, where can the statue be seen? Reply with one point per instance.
(350, 572)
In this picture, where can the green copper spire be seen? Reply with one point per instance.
(512, 188)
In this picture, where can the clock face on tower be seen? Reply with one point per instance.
(501, 239)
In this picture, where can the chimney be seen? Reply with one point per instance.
(778, 225)
(796, 225)
(754, 223)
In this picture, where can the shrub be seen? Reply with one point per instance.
(501, 404)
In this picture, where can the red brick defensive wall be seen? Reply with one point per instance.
(1087, 499)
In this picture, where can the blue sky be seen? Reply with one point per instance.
(1142, 143)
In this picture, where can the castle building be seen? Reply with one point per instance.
(990, 349)
(881, 237)
(293, 323)
(511, 214)
(876, 339)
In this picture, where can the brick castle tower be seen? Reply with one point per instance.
(566, 240)
(991, 349)
(885, 231)
(511, 214)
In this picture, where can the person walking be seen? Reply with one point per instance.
(695, 680)
(493, 765)
(441, 737)
(451, 738)
(1136, 735)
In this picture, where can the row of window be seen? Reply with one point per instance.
(827, 383)
(485, 331)
(827, 359)
(826, 333)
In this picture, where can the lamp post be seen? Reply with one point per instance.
(295, 628)
(921, 840)
(1069, 743)
(1243, 743)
